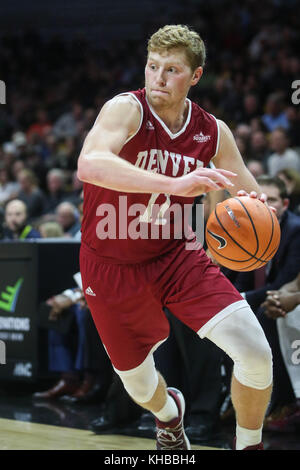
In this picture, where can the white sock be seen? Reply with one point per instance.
(247, 437)
(168, 412)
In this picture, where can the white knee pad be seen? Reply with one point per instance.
(242, 338)
(140, 382)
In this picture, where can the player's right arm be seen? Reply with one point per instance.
(99, 162)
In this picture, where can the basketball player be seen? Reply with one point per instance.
(150, 149)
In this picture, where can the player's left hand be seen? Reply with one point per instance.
(263, 197)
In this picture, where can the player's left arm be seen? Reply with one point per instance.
(228, 157)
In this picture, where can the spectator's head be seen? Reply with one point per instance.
(255, 167)
(51, 230)
(77, 110)
(4, 175)
(17, 166)
(292, 114)
(243, 131)
(274, 104)
(279, 140)
(251, 104)
(19, 139)
(67, 215)
(259, 141)
(15, 215)
(276, 192)
(291, 179)
(55, 180)
(42, 116)
(27, 180)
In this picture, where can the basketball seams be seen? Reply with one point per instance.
(270, 255)
(234, 241)
(252, 223)
(257, 261)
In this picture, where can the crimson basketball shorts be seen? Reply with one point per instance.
(127, 300)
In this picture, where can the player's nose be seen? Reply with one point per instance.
(160, 77)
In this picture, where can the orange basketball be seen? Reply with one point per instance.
(242, 233)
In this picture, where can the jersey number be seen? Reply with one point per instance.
(147, 215)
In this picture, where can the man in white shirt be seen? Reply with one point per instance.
(283, 156)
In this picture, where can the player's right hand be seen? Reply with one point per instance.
(203, 180)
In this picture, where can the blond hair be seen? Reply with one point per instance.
(51, 230)
(179, 36)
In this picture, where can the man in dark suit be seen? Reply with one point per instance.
(282, 269)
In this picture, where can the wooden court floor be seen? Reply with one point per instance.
(22, 435)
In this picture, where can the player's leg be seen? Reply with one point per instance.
(242, 338)
(132, 324)
(147, 388)
(207, 302)
(249, 403)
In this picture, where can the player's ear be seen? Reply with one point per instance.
(197, 74)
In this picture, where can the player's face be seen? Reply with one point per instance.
(168, 77)
(274, 199)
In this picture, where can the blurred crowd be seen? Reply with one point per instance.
(56, 88)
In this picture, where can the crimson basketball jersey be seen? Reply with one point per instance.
(136, 227)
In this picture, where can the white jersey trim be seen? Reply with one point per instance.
(170, 134)
(218, 137)
(142, 114)
(220, 316)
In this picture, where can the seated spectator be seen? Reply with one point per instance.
(282, 156)
(283, 268)
(20, 141)
(293, 115)
(74, 195)
(84, 369)
(56, 190)
(259, 148)
(255, 167)
(244, 132)
(282, 301)
(16, 167)
(41, 126)
(291, 179)
(8, 188)
(250, 108)
(16, 226)
(68, 218)
(67, 124)
(30, 193)
(275, 116)
(278, 304)
(51, 230)
(66, 155)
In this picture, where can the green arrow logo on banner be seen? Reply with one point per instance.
(8, 298)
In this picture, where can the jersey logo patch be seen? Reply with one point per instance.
(201, 137)
(149, 126)
(89, 291)
(221, 240)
